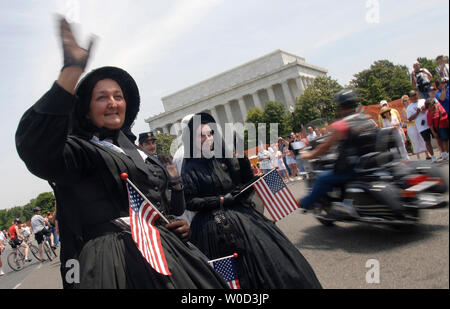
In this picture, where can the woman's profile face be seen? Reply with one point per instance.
(205, 139)
(107, 108)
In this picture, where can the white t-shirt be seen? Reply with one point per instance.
(311, 136)
(415, 76)
(421, 119)
(37, 223)
(266, 163)
(26, 231)
(445, 72)
(2, 238)
(280, 161)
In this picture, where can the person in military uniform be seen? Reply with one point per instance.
(78, 138)
(147, 142)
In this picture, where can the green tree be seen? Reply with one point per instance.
(46, 202)
(277, 113)
(316, 102)
(375, 92)
(163, 143)
(255, 115)
(382, 81)
(430, 65)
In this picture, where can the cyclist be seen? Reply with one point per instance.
(2, 248)
(25, 232)
(16, 239)
(39, 226)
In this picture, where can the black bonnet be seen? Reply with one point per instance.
(189, 132)
(84, 90)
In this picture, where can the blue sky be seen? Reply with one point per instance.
(169, 45)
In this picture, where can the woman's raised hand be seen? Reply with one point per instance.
(74, 55)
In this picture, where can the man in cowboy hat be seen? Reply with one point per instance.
(147, 141)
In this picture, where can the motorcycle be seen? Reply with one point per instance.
(384, 190)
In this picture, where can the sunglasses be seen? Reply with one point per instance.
(208, 133)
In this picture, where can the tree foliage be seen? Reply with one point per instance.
(46, 201)
(430, 65)
(163, 143)
(316, 102)
(277, 113)
(382, 81)
(274, 113)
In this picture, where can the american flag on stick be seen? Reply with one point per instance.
(143, 215)
(275, 195)
(225, 267)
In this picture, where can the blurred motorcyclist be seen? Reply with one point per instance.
(343, 133)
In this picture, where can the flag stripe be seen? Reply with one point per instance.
(292, 200)
(161, 261)
(284, 195)
(276, 196)
(285, 201)
(148, 248)
(277, 202)
(266, 203)
(146, 236)
(274, 202)
(257, 190)
(296, 203)
(270, 201)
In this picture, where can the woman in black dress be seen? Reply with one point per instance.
(78, 140)
(225, 224)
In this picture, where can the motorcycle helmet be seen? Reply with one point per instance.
(347, 98)
(17, 220)
(35, 209)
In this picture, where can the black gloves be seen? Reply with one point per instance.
(74, 55)
(228, 200)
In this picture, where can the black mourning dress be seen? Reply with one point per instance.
(266, 257)
(90, 193)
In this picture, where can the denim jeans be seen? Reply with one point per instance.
(324, 184)
(299, 164)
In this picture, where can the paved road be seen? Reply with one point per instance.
(417, 258)
(35, 274)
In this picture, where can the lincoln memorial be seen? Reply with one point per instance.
(277, 77)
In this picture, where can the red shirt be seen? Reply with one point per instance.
(433, 117)
(12, 231)
(341, 126)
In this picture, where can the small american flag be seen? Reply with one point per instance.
(276, 196)
(225, 268)
(144, 233)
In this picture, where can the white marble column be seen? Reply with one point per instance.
(271, 94)
(229, 113)
(257, 101)
(243, 108)
(287, 94)
(305, 82)
(165, 130)
(214, 114)
(300, 85)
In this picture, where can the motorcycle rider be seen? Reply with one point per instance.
(344, 134)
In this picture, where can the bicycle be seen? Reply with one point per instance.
(33, 248)
(49, 251)
(16, 258)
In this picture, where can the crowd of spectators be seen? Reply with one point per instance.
(422, 117)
